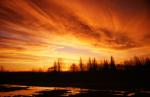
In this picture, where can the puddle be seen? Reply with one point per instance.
(63, 91)
(35, 90)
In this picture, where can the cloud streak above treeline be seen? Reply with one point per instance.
(81, 28)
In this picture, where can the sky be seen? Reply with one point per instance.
(34, 33)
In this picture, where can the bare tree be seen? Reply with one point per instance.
(56, 66)
(59, 65)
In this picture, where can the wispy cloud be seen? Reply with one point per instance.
(33, 29)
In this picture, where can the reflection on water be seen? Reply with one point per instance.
(34, 90)
(65, 91)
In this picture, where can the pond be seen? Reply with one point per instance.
(38, 91)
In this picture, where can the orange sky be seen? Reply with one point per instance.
(34, 33)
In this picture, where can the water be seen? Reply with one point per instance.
(65, 91)
(35, 90)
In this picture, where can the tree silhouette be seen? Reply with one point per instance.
(105, 65)
(53, 68)
(2, 69)
(89, 64)
(81, 65)
(56, 66)
(112, 64)
(147, 61)
(137, 61)
(94, 65)
(134, 64)
(73, 68)
(59, 63)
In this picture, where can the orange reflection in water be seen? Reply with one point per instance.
(35, 90)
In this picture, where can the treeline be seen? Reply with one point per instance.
(134, 64)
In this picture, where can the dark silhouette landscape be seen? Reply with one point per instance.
(133, 76)
(74, 48)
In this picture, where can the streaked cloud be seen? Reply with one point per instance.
(44, 30)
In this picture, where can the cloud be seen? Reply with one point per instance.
(32, 27)
(55, 18)
(77, 51)
(116, 40)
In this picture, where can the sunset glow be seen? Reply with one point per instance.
(35, 33)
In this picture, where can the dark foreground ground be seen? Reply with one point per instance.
(106, 84)
(91, 94)
(105, 80)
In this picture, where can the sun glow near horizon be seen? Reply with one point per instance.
(35, 33)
